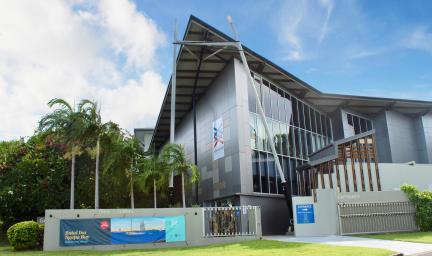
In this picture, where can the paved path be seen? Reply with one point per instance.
(407, 248)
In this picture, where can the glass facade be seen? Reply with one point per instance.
(359, 124)
(295, 137)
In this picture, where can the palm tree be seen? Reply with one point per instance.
(67, 123)
(133, 170)
(174, 155)
(123, 155)
(130, 173)
(94, 128)
(153, 174)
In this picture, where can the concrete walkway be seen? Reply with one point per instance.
(407, 248)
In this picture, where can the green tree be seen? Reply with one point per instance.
(67, 124)
(174, 155)
(33, 177)
(154, 173)
(422, 200)
(94, 129)
(123, 157)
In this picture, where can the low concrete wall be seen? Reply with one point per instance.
(393, 176)
(194, 227)
(371, 197)
(326, 212)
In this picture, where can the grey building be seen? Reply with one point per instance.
(218, 89)
(144, 136)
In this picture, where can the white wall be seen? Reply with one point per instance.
(393, 176)
(325, 213)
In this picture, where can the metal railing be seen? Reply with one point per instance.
(230, 221)
(357, 218)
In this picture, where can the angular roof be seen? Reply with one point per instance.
(213, 64)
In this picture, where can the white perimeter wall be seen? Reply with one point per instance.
(392, 176)
(326, 212)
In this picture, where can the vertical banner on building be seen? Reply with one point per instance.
(135, 230)
(218, 140)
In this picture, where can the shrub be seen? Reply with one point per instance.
(41, 234)
(25, 235)
(422, 200)
(33, 177)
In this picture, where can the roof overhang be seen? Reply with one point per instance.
(187, 89)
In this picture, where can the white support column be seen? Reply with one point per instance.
(173, 97)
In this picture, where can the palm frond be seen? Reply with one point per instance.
(63, 104)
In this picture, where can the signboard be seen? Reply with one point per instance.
(136, 230)
(218, 140)
(305, 213)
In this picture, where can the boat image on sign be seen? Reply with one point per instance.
(137, 230)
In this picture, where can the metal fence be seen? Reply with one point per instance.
(357, 218)
(230, 221)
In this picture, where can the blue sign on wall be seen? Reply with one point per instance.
(135, 230)
(305, 213)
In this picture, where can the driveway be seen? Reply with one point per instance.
(407, 248)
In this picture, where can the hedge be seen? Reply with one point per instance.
(25, 235)
(422, 200)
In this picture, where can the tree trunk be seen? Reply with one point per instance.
(183, 191)
(72, 191)
(154, 193)
(97, 174)
(132, 192)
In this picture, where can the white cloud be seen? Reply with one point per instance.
(136, 101)
(102, 50)
(302, 25)
(365, 53)
(420, 39)
(328, 5)
(130, 32)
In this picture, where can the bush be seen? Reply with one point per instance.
(41, 234)
(33, 177)
(422, 200)
(25, 235)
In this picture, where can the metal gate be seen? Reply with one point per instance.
(357, 218)
(230, 221)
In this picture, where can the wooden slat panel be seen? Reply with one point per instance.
(353, 167)
(376, 163)
(360, 163)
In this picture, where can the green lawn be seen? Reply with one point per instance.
(250, 248)
(418, 237)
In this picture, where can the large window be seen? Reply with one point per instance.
(295, 136)
(357, 124)
(255, 172)
(263, 172)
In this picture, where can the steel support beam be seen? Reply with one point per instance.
(173, 103)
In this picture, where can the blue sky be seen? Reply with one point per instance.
(376, 48)
(118, 52)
